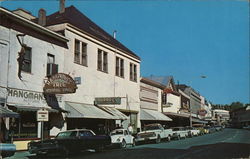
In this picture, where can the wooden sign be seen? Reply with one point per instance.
(60, 83)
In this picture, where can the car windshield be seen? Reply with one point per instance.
(151, 127)
(66, 134)
(117, 132)
(176, 129)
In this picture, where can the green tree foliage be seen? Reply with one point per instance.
(230, 107)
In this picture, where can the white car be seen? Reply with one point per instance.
(179, 132)
(192, 131)
(122, 138)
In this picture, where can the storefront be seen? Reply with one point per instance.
(148, 116)
(100, 119)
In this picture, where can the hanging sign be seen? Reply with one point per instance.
(42, 115)
(60, 83)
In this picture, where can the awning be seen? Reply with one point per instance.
(171, 114)
(80, 110)
(147, 114)
(116, 113)
(31, 108)
(4, 112)
(199, 121)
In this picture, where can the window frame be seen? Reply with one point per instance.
(27, 61)
(119, 67)
(133, 72)
(80, 53)
(102, 60)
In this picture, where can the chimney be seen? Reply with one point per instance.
(62, 6)
(114, 34)
(42, 17)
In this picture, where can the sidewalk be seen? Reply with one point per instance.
(20, 155)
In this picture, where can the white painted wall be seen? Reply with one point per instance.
(33, 81)
(175, 103)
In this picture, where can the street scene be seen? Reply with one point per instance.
(124, 79)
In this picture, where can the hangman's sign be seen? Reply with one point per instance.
(60, 84)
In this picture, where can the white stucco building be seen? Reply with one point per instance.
(105, 70)
(24, 64)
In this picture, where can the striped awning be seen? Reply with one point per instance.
(116, 113)
(153, 115)
(81, 110)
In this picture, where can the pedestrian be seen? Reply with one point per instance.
(130, 129)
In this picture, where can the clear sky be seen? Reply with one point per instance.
(182, 38)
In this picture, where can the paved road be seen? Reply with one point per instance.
(229, 143)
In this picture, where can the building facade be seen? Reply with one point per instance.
(28, 51)
(151, 103)
(104, 69)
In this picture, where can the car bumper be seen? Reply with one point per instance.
(146, 139)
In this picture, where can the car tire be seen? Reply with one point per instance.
(158, 139)
(123, 144)
(168, 138)
(179, 137)
(133, 143)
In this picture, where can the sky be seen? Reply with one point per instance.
(183, 38)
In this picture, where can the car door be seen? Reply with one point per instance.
(127, 137)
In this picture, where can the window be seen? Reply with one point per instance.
(133, 72)
(80, 53)
(102, 61)
(52, 68)
(119, 68)
(27, 60)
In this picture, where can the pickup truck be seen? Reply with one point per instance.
(154, 132)
(70, 141)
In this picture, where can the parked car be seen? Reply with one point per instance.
(210, 129)
(121, 138)
(179, 132)
(192, 131)
(247, 127)
(218, 127)
(154, 132)
(7, 149)
(70, 141)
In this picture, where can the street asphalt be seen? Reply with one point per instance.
(225, 144)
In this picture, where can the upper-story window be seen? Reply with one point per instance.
(119, 68)
(80, 53)
(102, 61)
(133, 72)
(52, 68)
(27, 60)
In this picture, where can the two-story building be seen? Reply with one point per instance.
(151, 109)
(28, 52)
(107, 74)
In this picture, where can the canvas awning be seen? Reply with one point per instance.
(172, 114)
(199, 121)
(80, 110)
(153, 115)
(31, 108)
(4, 112)
(116, 113)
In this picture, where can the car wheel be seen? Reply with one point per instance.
(168, 138)
(133, 144)
(123, 144)
(179, 137)
(158, 140)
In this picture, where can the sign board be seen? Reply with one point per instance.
(42, 115)
(77, 80)
(60, 83)
(202, 112)
(108, 100)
